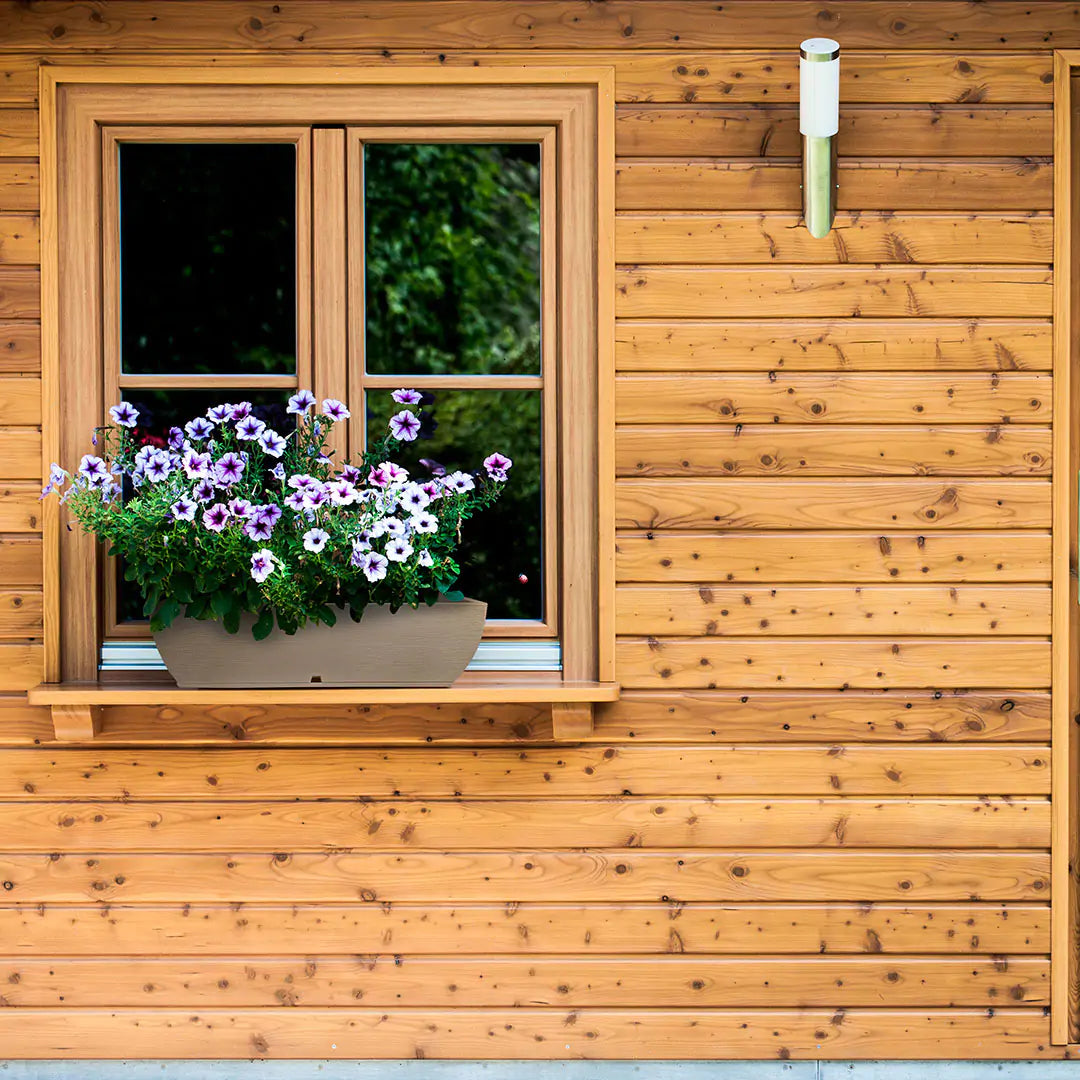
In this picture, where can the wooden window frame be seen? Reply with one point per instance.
(576, 103)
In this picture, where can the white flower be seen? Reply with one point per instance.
(424, 523)
(425, 559)
(413, 497)
(458, 481)
(398, 550)
(315, 540)
(392, 526)
(262, 564)
(342, 493)
(374, 566)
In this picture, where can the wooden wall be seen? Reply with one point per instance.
(818, 823)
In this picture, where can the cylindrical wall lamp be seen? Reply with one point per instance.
(819, 121)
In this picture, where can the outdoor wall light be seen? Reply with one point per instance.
(819, 121)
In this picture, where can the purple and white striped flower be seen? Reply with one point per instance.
(176, 439)
(268, 512)
(184, 509)
(301, 402)
(399, 550)
(424, 523)
(272, 443)
(197, 466)
(351, 473)
(434, 467)
(301, 481)
(404, 426)
(125, 414)
(295, 501)
(342, 493)
(374, 566)
(216, 518)
(432, 489)
(395, 473)
(335, 411)
(249, 428)
(497, 466)
(278, 471)
(92, 467)
(407, 397)
(392, 526)
(262, 564)
(241, 508)
(198, 429)
(240, 411)
(315, 540)
(159, 467)
(229, 469)
(414, 498)
(458, 481)
(256, 529)
(220, 414)
(204, 491)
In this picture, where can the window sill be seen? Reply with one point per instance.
(77, 708)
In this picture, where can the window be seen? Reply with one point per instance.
(354, 239)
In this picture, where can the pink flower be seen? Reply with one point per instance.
(497, 466)
(404, 426)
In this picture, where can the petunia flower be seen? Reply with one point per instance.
(398, 550)
(198, 429)
(378, 476)
(91, 466)
(404, 426)
(272, 443)
(314, 497)
(315, 540)
(342, 493)
(374, 566)
(425, 559)
(262, 564)
(240, 411)
(269, 512)
(278, 471)
(392, 526)
(434, 467)
(176, 439)
(219, 414)
(216, 518)
(125, 414)
(204, 491)
(249, 428)
(229, 469)
(458, 481)
(424, 523)
(197, 466)
(432, 489)
(301, 402)
(351, 473)
(300, 481)
(497, 466)
(257, 529)
(158, 467)
(183, 509)
(413, 498)
(407, 397)
(295, 501)
(395, 473)
(241, 508)
(335, 410)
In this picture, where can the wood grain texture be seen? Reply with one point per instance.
(871, 237)
(595, 875)
(19, 187)
(1009, 397)
(704, 292)
(849, 503)
(587, 770)
(721, 610)
(20, 507)
(827, 557)
(851, 451)
(20, 453)
(20, 613)
(21, 665)
(498, 982)
(19, 240)
(522, 824)
(20, 293)
(707, 929)
(765, 131)
(20, 401)
(18, 130)
(20, 560)
(865, 184)
(899, 345)
(20, 347)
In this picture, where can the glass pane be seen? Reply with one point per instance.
(502, 546)
(160, 410)
(452, 258)
(208, 258)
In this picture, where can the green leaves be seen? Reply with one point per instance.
(164, 615)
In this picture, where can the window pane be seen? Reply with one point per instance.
(501, 550)
(452, 258)
(208, 258)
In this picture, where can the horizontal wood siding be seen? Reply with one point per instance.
(817, 824)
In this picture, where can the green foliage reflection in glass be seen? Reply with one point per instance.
(208, 258)
(452, 255)
(452, 258)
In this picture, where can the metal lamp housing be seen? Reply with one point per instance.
(819, 121)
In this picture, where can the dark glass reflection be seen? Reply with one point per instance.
(452, 256)
(208, 258)
(503, 544)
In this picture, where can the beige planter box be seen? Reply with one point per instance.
(425, 646)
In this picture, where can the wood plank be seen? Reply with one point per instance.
(777, 558)
(709, 610)
(766, 131)
(497, 982)
(901, 345)
(20, 613)
(865, 184)
(55, 26)
(802, 450)
(20, 401)
(20, 453)
(724, 716)
(832, 663)
(522, 824)
(704, 291)
(872, 237)
(908, 876)
(19, 79)
(20, 293)
(20, 347)
(755, 398)
(587, 770)
(848, 503)
(19, 239)
(20, 507)
(19, 187)
(20, 560)
(21, 666)
(521, 1033)
(18, 132)
(185, 929)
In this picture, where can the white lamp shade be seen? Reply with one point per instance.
(819, 87)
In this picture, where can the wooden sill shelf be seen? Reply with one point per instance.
(77, 706)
